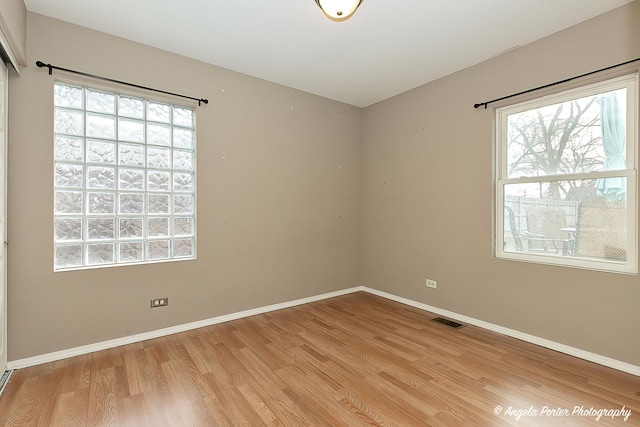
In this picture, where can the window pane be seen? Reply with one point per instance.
(101, 203)
(67, 96)
(68, 202)
(101, 178)
(101, 102)
(130, 228)
(183, 117)
(101, 126)
(157, 227)
(182, 182)
(68, 256)
(101, 228)
(158, 203)
(158, 157)
(70, 176)
(158, 249)
(69, 149)
(100, 253)
(182, 138)
(131, 154)
(183, 226)
(183, 204)
(565, 218)
(101, 152)
(158, 181)
(183, 247)
(131, 251)
(182, 160)
(130, 130)
(131, 179)
(579, 136)
(131, 107)
(158, 112)
(68, 229)
(69, 122)
(158, 134)
(131, 203)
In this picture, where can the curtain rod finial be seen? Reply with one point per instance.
(42, 64)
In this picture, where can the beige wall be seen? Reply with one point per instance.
(13, 24)
(427, 200)
(277, 219)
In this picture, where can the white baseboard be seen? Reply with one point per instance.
(77, 351)
(562, 348)
(103, 345)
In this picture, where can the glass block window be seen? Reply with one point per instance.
(566, 178)
(124, 179)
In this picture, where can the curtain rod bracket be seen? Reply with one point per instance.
(41, 64)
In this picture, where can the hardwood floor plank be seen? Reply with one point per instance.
(303, 387)
(159, 398)
(10, 397)
(51, 390)
(22, 414)
(217, 412)
(70, 410)
(132, 361)
(102, 395)
(368, 413)
(192, 410)
(225, 381)
(270, 386)
(77, 373)
(231, 402)
(353, 360)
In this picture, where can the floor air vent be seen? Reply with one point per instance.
(4, 379)
(448, 322)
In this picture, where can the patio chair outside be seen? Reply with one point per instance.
(546, 231)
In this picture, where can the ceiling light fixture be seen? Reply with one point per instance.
(338, 10)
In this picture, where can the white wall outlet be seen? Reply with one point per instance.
(432, 284)
(159, 302)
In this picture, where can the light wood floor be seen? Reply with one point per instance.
(353, 360)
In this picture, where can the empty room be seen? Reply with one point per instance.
(319, 213)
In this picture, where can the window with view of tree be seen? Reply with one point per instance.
(124, 178)
(566, 178)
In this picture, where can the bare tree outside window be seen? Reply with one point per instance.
(559, 139)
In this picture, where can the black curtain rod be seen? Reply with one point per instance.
(53, 67)
(480, 104)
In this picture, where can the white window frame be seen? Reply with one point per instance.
(145, 239)
(630, 82)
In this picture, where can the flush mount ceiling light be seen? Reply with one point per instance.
(338, 10)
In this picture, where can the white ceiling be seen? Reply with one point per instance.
(385, 48)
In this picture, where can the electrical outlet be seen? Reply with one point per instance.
(432, 284)
(159, 302)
